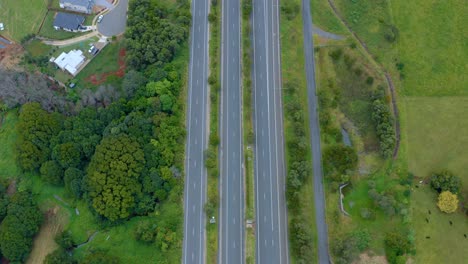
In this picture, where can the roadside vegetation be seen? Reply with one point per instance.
(390, 199)
(299, 187)
(112, 169)
(212, 154)
(248, 128)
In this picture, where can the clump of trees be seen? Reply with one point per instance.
(347, 247)
(155, 33)
(20, 221)
(448, 202)
(383, 119)
(445, 181)
(397, 245)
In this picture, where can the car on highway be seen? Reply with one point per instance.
(100, 18)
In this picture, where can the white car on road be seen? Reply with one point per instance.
(99, 19)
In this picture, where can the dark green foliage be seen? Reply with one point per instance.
(290, 9)
(445, 181)
(64, 240)
(391, 33)
(67, 155)
(19, 227)
(383, 119)
(154, 33)
(347, 247)
(336, 54)
(36, 127)
(112, 176)
(302, 245)
(59, 256)
(384, 201)
(396, 246)
(73, 180)
(52, 173)
(339, 159)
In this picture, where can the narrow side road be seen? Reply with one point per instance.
(270, 173)
(319, 195)
(197, 131)
(231, 235)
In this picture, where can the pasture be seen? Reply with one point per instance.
(22, 17)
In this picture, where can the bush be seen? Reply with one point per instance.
(448, 202)
(396, 246)
(336, 54)
(340, 159)
(52, 173)
(383, 119)
(445, 181)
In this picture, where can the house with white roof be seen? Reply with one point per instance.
(71, 61)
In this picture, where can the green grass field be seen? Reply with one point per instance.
(22, 17)
(433, 46)
(8, 167)
(323, 17)
(446, 243)
(437, 135)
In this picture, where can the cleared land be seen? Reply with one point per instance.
(447, 243)
(22, 17)
(432, 46)
(437, 135)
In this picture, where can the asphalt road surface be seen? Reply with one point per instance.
(270, 175)
(197, 123)
(115, 21)
(319, 197)
(231, 228)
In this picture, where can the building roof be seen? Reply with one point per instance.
(83, 3)
(68, 21)
(70, 61)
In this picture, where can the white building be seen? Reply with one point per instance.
(70, 61)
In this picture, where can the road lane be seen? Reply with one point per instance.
(231, 159)
(197, 123)
(271, 222)
(319, 196)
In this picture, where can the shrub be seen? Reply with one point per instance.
(448, 202)
(445, 181)
(336, 54)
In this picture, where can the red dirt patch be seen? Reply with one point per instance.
(97, 79)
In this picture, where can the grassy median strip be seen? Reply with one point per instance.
(299, 190)
(248, 128)
(211, 163)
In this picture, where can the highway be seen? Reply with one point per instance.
(231, 227)
(197, 133)
(270, 175)
(319, 196)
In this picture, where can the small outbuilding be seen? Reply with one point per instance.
(68, 22)
(71, 61)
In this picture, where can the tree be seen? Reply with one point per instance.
(340, 159)
(51, 172)
(36, 127)
(448, 202)
(67, 155)
(445, 181)
(73, 180)
(113, 176)
(64, 240)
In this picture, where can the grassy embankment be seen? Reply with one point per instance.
(212, 160)
(248, 128)
(426, 61)
(301, 215)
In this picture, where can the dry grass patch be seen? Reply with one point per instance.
(44, 242)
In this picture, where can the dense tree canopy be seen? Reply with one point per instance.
(154, 33)
(37, 127)
(113, 176)
(445, 181)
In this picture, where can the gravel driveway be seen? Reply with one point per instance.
(114, 22)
